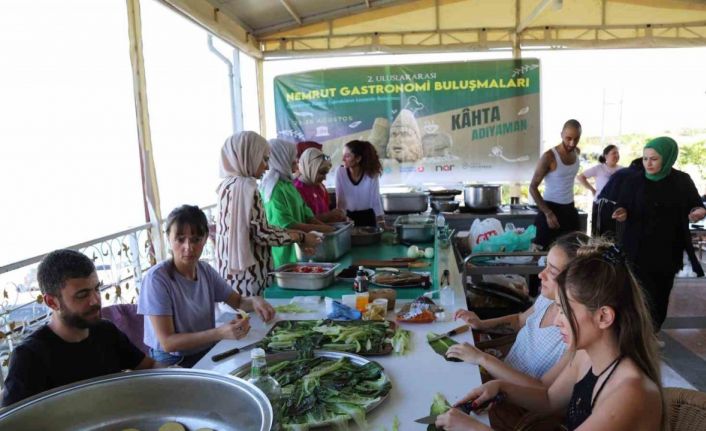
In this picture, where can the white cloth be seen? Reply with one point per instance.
(282, 155)
(310, 162)
(559, 183)
(601, 172)
(241, 156)
(357, 197)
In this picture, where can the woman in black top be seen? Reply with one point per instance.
(613, 381)
(656, 208)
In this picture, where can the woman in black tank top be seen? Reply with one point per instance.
(613, 380)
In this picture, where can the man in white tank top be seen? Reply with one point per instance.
(557, 167)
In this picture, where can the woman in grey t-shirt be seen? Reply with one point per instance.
(178, 296)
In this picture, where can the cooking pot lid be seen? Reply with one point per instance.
(445, 192)
(482, 185)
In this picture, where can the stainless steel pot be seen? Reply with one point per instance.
(482, 196)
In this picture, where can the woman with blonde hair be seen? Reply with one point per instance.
(613, 379)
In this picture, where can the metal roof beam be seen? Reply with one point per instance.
(555, 37)
(291, 11)
(532, 16)
(330, 15)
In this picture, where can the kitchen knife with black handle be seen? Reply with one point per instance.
(459, 330)
(231, 352)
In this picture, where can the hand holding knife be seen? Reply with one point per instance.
(456, 331)
(466, 407)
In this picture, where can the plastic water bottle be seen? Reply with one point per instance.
(266, 383)
(447, 297)
(440, 222)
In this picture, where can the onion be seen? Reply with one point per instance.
(429, 252)
(413, 251)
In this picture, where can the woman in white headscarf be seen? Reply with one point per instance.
(284, 205)
(243, 236)
(313, 168)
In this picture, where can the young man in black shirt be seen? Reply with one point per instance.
(76, 344)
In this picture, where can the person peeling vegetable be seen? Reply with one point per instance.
(178, 296)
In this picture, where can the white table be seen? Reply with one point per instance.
(415, 377)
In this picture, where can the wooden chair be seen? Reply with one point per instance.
(686, 409)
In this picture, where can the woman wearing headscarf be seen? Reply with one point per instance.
(656, 208)
(283, 204)
(243, 235)
(313, 168)
(607, 166)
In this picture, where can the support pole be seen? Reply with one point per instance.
(150, 188)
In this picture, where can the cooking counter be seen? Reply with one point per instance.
(520, 217)
(378, 252)
(415, 377)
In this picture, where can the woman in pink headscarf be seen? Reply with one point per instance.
(243, 235)
(313, 168)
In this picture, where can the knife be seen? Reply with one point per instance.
(466, 407)
(231, 352)
(459, 330)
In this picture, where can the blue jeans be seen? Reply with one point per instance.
(165, 357)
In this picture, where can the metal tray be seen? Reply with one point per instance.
(417, 229)
(423, 284)
(304, 281)
(145, 400)
(334, 245)
(386, 350)
(366, 235)
(273, 358)
(412, 202)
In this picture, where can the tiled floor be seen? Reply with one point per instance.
(684, 334)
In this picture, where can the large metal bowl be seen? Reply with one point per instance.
(273, 358)
(366, 235)
(145, 400)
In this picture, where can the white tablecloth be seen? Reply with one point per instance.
(415, 377)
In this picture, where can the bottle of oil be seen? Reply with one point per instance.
(360, 284)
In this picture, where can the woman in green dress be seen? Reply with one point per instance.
(284, 205)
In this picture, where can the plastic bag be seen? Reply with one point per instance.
(482, 230)
(507, 242)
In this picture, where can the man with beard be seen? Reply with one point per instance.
(557, 168)
(76, 344)
(405, 143)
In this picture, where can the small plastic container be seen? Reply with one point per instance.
(381, 301)
(348, 300)
(361, 301)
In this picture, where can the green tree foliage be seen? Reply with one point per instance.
(695, 155)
